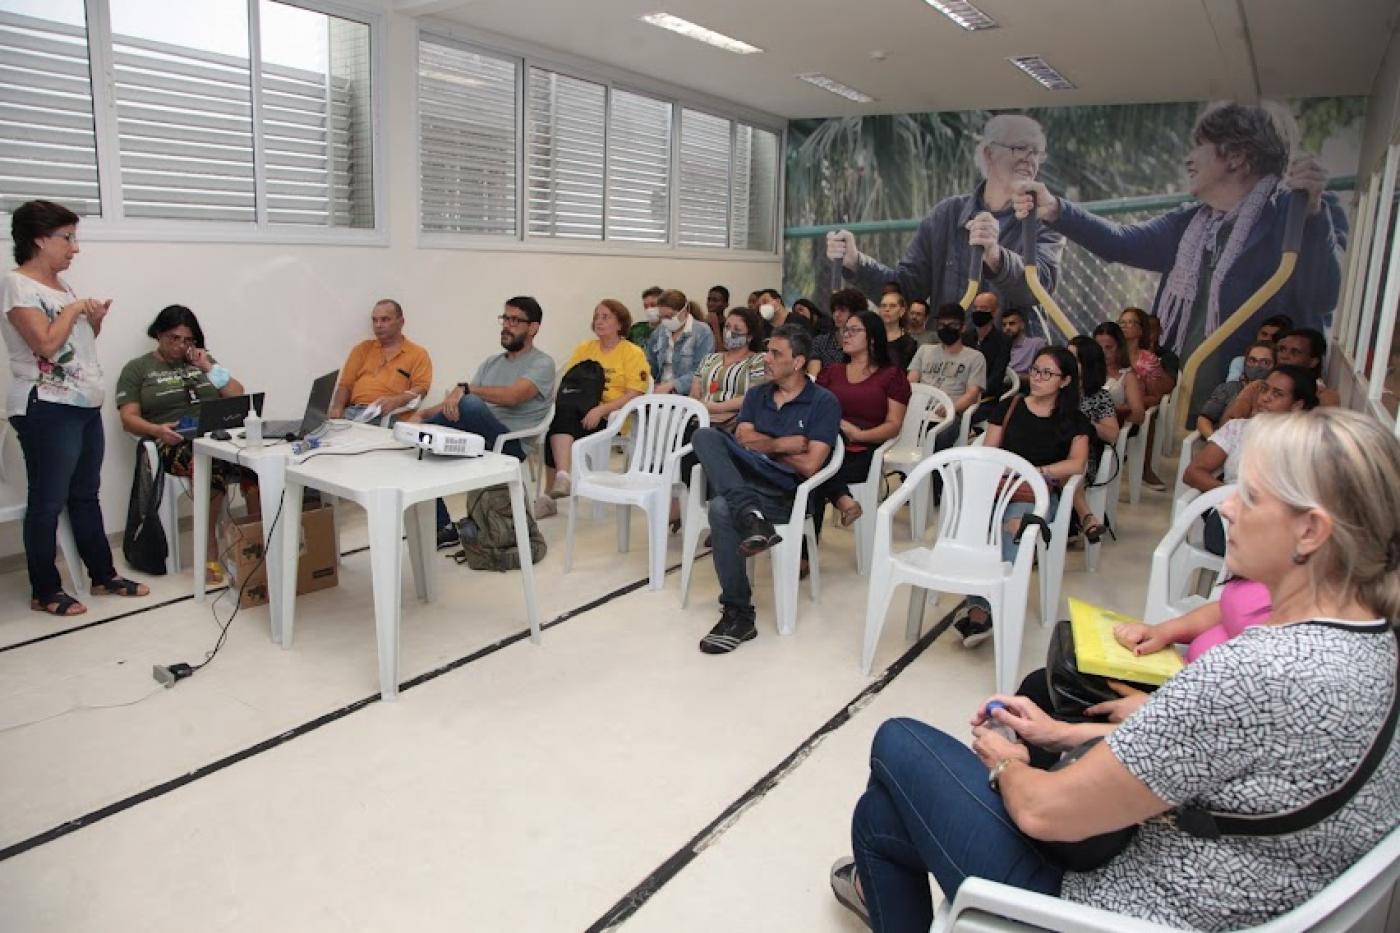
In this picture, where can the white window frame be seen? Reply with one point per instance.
(114, 226)
(528, 56)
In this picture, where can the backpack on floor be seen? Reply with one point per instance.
(143, 542)
(488, 533)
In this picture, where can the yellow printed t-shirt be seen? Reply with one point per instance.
(624, 366)
(371, 377)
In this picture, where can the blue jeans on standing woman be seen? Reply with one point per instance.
(929, 810)
(63, 447)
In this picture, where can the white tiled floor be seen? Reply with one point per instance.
(530, 789)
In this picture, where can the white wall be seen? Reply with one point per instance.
(279, 315)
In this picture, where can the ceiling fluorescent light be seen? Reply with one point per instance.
(1042, 71)
(699, 33)
(835, 87)
(964, 14)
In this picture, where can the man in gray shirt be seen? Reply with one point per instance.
(510, 392)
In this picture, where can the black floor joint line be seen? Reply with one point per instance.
(633, 900)
(134, 612)
(160, 790)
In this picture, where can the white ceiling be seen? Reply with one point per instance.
(1115, 51)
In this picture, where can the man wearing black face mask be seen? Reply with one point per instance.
(958, 370)
(985, 336)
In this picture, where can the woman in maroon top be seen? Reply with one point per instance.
(873, 394)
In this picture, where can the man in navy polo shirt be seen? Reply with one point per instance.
(787, 429)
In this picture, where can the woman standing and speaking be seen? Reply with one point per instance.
(54, 402)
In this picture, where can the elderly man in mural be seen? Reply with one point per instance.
(1216, 251)
(935, 264)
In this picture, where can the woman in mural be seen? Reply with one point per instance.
(1216, 251)
(935, 264)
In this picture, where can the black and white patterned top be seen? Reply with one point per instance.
(1271, 720)
(1097, 406)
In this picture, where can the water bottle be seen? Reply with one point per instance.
(1000, 728)
(252, 429)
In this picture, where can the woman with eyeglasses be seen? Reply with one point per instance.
(1047, 428)
(54, 403)
(873, 393)
(158, 395)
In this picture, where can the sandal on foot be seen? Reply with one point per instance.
(1092, 528)
(849, 516)
(59, 604)
(121, 586)
(213, 573)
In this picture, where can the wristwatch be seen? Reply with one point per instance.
(466, 389)
(995, 774)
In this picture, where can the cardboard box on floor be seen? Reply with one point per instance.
(241, 544)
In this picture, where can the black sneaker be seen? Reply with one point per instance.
(972, 632)
(756, 533)
(447, 537)
(732, 630)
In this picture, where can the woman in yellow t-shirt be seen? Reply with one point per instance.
(626, 372)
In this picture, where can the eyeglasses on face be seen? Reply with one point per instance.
(1022, 151)
(513, 321)
(177, 339)
(1038, 373)
(72, 238)
(852, 331)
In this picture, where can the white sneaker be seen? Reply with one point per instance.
(562, 486)
(545, 507)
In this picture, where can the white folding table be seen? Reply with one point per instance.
(388, 484)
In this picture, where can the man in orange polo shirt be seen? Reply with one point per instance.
(389, 371)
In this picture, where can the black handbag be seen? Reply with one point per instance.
(143, 542)
(1195, 820)
(1071, 691)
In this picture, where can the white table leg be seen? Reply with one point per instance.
(272, 475)
(421, 521)
(385, 508)
(527, 564)
(202, 472)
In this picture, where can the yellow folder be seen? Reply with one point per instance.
(1098, 652)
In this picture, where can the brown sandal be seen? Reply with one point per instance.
(59, 604)
(121, 586)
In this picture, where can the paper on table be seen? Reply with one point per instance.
(1098, 652)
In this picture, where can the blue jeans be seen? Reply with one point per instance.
(928, 809)
(63, 446)
(733, 492)
(475, 417)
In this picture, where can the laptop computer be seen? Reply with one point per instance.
(319, 402)
(220, 414)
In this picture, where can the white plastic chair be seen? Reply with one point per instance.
(67, 544)
(1138, 454)
(1097, 498)
(930, 411)
(1362, 899)
(387, 420)
(1050, 558)
(1013, 385)
(1166, 422)
(916, 440)
(652, 468)
(966, 556)
(1182, 494)
(536, 432)
(786, 558)
(1115, 486)
(1177, 559)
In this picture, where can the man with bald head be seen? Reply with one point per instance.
(384, 373)
(935, 264)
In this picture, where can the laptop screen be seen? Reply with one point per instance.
(322, 392)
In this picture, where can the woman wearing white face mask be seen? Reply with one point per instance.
(723, 377)
(679, 344)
